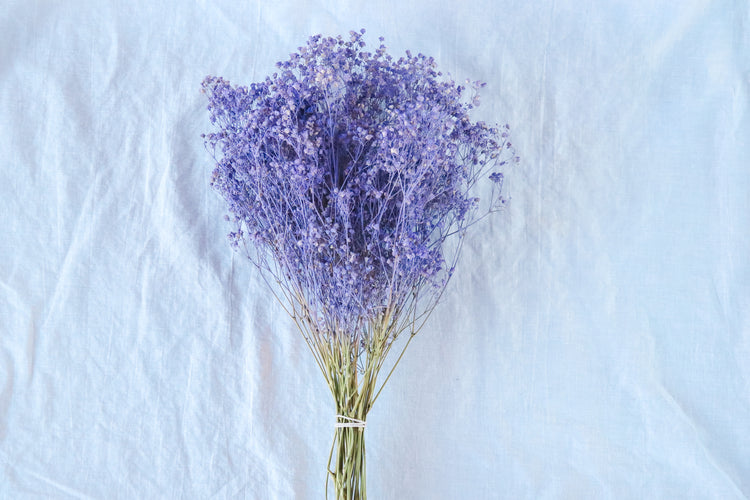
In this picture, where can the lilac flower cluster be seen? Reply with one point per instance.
(351, 177)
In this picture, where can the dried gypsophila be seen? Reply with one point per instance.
(352, 177)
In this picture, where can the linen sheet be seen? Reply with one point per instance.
(594, 342)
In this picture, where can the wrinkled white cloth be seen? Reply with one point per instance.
(594, 343)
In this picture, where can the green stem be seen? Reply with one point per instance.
(349, 468)
(353, 400)
(354, 391)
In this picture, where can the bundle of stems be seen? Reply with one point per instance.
(351, 372)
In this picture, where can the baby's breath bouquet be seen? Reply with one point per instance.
(351, 178)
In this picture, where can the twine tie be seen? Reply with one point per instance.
(350, 422)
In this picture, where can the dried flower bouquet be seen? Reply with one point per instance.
(351, 178)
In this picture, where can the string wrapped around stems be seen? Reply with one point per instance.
(349, 422)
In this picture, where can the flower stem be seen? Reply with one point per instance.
(352, 402)
(354, 387)
(349, 474)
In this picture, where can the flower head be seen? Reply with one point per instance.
(351, 178)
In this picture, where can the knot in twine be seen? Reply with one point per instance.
(350, 422)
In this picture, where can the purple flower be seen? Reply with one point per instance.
(496, 177)
(351, 178)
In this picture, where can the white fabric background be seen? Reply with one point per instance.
(595, 342)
